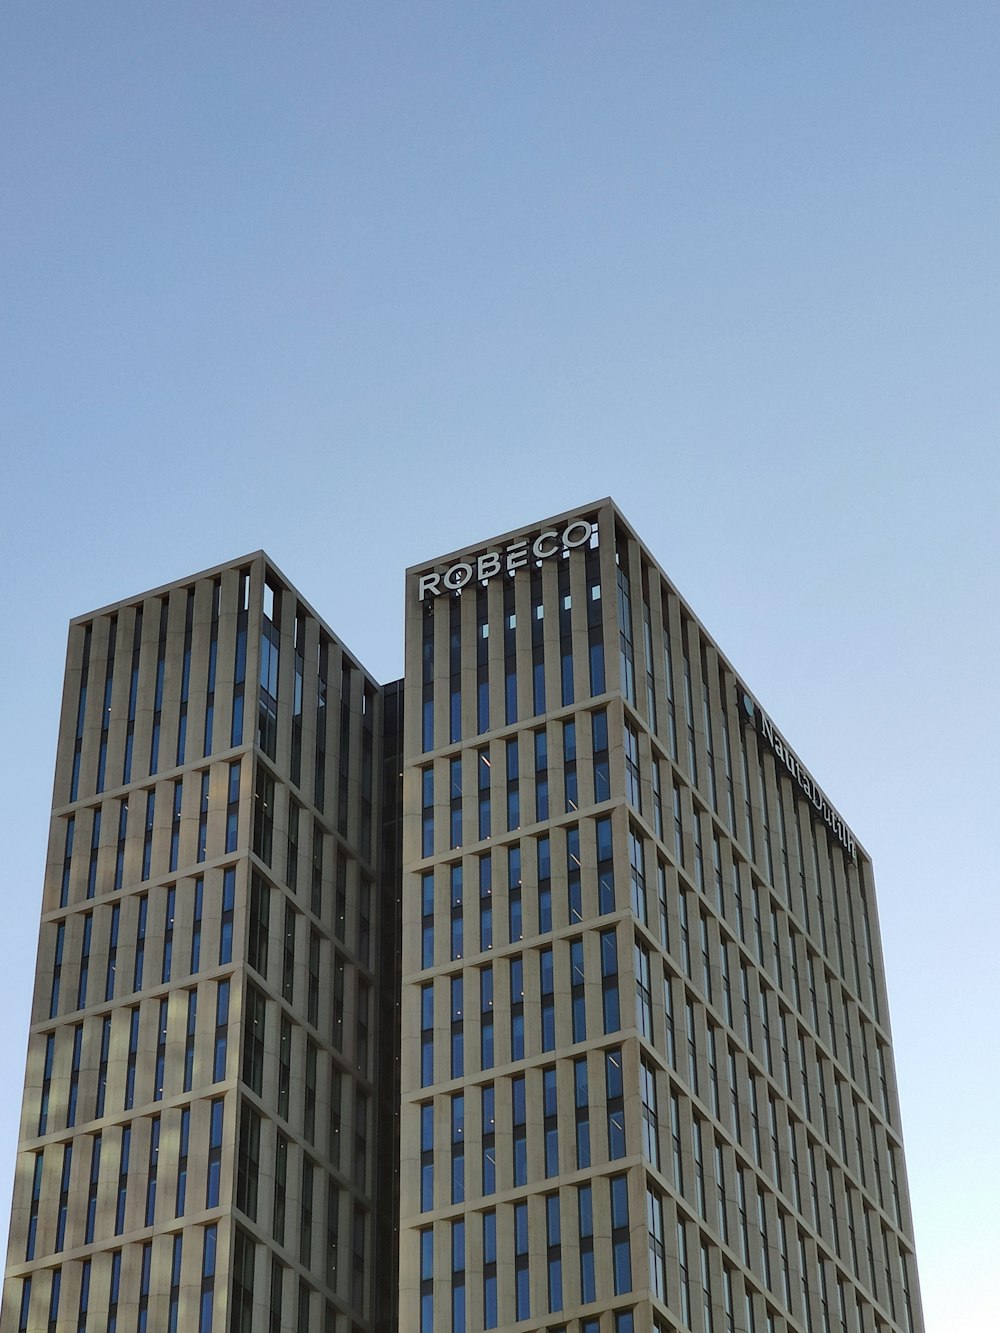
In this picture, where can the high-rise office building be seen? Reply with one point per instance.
(201, 1103)
(539, 991)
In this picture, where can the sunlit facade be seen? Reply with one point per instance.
(541, 990)
(201, 1100)
(646, 1070)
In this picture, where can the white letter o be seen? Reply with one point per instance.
(457, 576)
(584, 526)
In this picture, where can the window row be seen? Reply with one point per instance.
(143, 940)
(262, 1282)
(526, 888)
(475, 1142)
(792, 1172)
(548, 1244)
(509, 1010)
(785, 1275)
(719, 1071)
(125, 1181)
(741, 896)
(339, 1002)
(313, 863)
(484, 793)
(117, 741)
(296, 955)
(93, 1291)
(149, 833)
(317, 1099)
(521, 670)
(687, 697)
(309, 1211)
(178, 669)
(134, 1055)
(318, 708)
(694, 932)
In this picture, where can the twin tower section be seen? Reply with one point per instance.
(534, 991)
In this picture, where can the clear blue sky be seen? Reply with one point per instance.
(303, 275)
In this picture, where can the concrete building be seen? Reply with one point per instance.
(201, 1100)
(580, 1027)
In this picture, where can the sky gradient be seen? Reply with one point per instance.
(303, 276)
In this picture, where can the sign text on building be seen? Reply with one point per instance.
(481, 568)
(799, 773)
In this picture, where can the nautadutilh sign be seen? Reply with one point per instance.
(481, 568)
(766, 728)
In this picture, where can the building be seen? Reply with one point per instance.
(546, 980)
(202, 1064)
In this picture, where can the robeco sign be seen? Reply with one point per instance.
(482, 568)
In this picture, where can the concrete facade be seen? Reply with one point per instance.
(646, 1069)
(199, 1121)
(547, 980)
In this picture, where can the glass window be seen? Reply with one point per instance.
(621, 1258)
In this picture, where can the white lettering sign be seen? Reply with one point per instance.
(799, 773)
(516, 556)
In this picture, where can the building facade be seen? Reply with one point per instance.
(199, 1121)
(539, 991)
